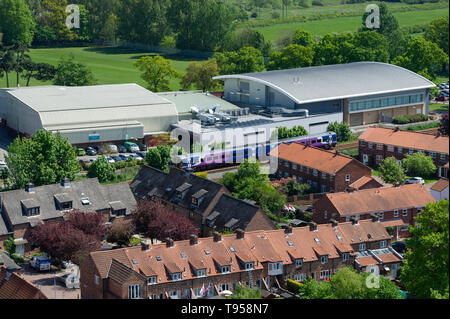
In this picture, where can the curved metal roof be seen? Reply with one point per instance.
(337, 81)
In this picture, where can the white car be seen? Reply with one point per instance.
(110, 160)
(415, 180)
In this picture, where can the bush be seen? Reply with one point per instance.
(254, 15)
(400, 120)
(293, 286)
(17, 258)
(275, 15)
(120, 234)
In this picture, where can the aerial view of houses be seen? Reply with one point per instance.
(228, 150)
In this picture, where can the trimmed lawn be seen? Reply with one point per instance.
(110, 65)
(438, 107)
(376, 172)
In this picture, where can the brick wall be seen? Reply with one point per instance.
(89, 289)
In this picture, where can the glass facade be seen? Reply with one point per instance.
(382, 102)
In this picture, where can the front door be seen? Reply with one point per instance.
(365, 159)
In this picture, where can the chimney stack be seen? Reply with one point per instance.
(145, 245)
(217, 236)
(288, 229)
(354, 221)
(193, 240)
(333, 222)
(240, 233)
(169, 242)
(313, 226)
(375, 218)
(65, 182)
(29, 188)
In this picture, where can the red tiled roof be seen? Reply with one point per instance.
(367, 261)
(440, 185)
(12, 286)
(389, 258)
(322, 160)
(256, 246)
(362, 181)
(393, 223)
(380, 199)
(406, 139)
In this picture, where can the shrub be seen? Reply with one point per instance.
(275, 15)
(400, 120)
(17, 258)
(293, 286)
(254, 15)
(120, 234)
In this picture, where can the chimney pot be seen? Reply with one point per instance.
(288, 229)
(333, 222)
(354, 221)
(313, 226)
(217, 236)
(375, 218)
(240, 233)
(29, 188)
(145, 245)
(65, 182)
(193, 240)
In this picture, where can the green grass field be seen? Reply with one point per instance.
(110, 65)
(342, 24)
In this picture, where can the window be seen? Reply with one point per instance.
(176, 276)
(396, 213)
(345, 256)
(442, 157)
(299, 277)
(379, 159)
(33, 211)
(324, 175)
(286, 163)
(294, 166)
(370, 145)
(315, 173)
(66, 205)
(325, 215)
(300, 168)
(152, 280)
(411, 151)
(381, 215)
(249, 266)
(174, 294)
(347, 177)
(390, 148)
(201, 273)
(225, 269)
(400, 150)
(325, 274)
(324, 259)
(119, 212)
(134, 292)
(324, 188)
(419, 211)
(433, 154)
(307, 170)
(299, 262)
(223, 287)
(362, 246)
(405, 212)
(383, 244)
(97, 280)
(379, 146)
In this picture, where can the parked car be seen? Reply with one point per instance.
(442, 98)
(112, 148)
(110, 160)
(141, 154)
(70, 281)
(85, 163)
(91, 151)
(131, 147)
(137, 157)
(442, 86)
(80, 152)
(101, 150)
(142, 147)
(125, 157)
(415, 180)
(118, 158)
(122, 149)
(399, 246)
(41, 263)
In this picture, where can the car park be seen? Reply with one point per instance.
(142, 147)
(125, 157)
(112, 148)
(141, 154)
(110, 160)
(118, 158)
(415, 180)
(85, 163)
(131, 147)
(137, 157)
(91, 151)
(122, 149)
(101, 150)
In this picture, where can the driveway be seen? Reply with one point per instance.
(45, 281)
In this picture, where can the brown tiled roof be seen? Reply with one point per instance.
(440, 185)
(389, 258)
(362, 181)
(322, 160)
(393, 223)
(367, 261)
(380, 199)
(12, 286)
(256, 246)
(119, 272)
(406, 139)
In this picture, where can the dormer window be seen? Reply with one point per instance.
(362, 246)
(198, 197)
(345, 256)
(299, 262)
(30, 207)
(35, 211)
(324, 259)
(85, 201)
(152, 280)
(249, 266)
(176, 276)
(66, 205)
(201, 273)
(182, 190)
(225, 269)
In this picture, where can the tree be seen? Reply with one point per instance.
(342, 130)
(6, 61)
(334, 49)
(72, 239)
(392, 172)
(292, 56)
(245, 60)
(109, 30)
(302, 37)
(16, 22)
(101, 169)
(370, 46)
(437, 32)
(443, 127)
(71, 73)
(246, 37)
(245, 292)
(38, 71)
(53, 16)
(153, 158)
(388, 22)
(419, 164)
(425, 271)
(9, 245)
(268, 198)
(45, 158)
(158, 221)
(120, 233)
(21, 58)
(156, 72)
(200, 75)
(422, 56)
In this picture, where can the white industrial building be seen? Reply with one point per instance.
(87, 114)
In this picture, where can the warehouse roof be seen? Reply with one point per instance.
(184, 100)
(331, 82)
